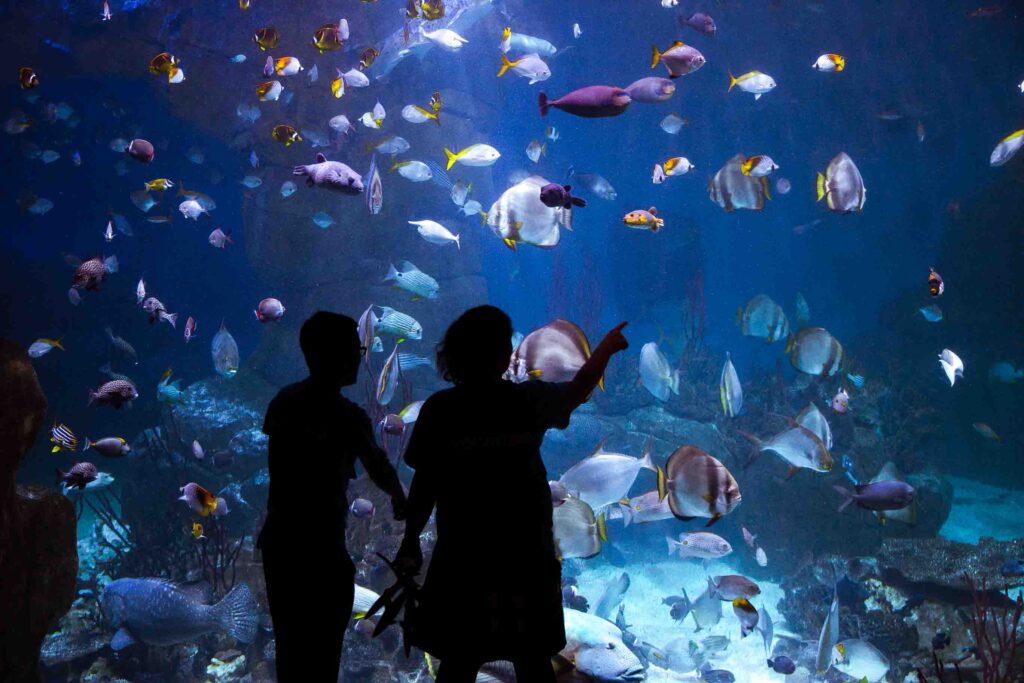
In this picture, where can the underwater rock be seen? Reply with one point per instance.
(944, 563)
(225, 414)
(37, 583)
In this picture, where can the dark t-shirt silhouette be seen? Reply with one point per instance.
(492, 590)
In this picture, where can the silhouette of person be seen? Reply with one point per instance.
(316, 435)
(493, 587)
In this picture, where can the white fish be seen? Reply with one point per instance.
(677, 166)
(312, 75)
(388, 379)
(1007, 147)
(108, 234)
(460, 191)
(730, 391)
(355, 78)
(444, 38)
(860, 660)
(525, 43)
(191, 209)
(656, 374)
(435, 233)
(535, 150)
(932, 313)
(471, 208)
(576, 31)
(343, 30)
(761, 557)
(238, 59)
(604, 478)
(475, 155)
(392, 145)
(374, 119)
(140, 291)
(672, 124)
(669, 4)
(702, 545)
(288, 189)
(952, 365)
(416, 171)
(1021, 86)
(411, 412)
(528, 66)
(251, 181)
(416, 114)
(753, 82)
(658, 175)
(551, 133)
(340, 123)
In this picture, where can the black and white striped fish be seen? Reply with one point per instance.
(63, 438)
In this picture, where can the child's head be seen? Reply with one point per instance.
(476, 346)
(330, 343)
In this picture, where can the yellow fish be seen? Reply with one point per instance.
(197, 530)
(159, 184)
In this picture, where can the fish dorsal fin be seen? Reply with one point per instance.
(599, 450)
(653, 211)
(320, 158)
(889, 472)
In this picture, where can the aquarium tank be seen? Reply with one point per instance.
(807, 464)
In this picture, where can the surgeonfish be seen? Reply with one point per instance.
(763, 318)
(593, 101)
(731, 189)
(730, 391)
(828, 637)
(813, 350)
(604, 478)
(552, 353)
(656, 374)
(841, 185)
(520, 217)
(697, 484)
(578, 533)
(651, 90)
(951, 365)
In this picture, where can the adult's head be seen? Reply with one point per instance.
(477, 346)
(330, 343)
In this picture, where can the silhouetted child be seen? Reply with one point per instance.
(316, 436)
(493, 587)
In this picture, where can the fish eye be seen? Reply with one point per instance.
(611, 646)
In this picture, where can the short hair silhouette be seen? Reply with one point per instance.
(475, 345)
(329, 340)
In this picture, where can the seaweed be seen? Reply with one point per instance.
(216, 555)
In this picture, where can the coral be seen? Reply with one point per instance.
(225, 667)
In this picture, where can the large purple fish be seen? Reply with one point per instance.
(592, 102)
(878, 495)
(699, 21)
(332, 175)
(651, 90)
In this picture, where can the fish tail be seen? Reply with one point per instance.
(821, 187)
(506, 64)
(655, 56)
(92, 397)
(542, 102)
(172, 318)
(88, 444)
(847, 495)
(756, 450)
(452, 158)
(627, 512)
(670, 541)
(392, 271)
(602, 528)
(732, 81)
(236, 614)
(458, 244)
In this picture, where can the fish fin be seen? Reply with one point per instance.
(452, 158)
(122, 639)
(732, 81)
(746, 166)
(821, 187)
(237, 613)
(542, 103)
(511, 244)
(506, 64)
(670, 541)
(766, 187)
(790, 343)
(757, 96)
(714, 518)
(655, 56)
(602, 528)
(535, 374)
(662, 485)
(55, 449)
(645, 460)
(847, 495)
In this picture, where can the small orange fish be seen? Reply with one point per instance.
(282, 132)
(27, 78)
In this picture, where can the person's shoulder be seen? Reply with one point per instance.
(287, 394)
(351, 409)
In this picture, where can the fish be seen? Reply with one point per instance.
(680, 59)
(529, 66)
(880, 495)
(985, 430)
(578, 533)
(936, 286)
(576, 31)
(841, 185)
(251, 182)
(157, 311)
(42, 346)
(266, 38)
(115, 394)
(158, 185)
(598, 185)
(460, 192)
(282, 66)
(341, 124)
(330, 175)
(761, 557)
(392, 144)
(142, 200)
(390, 375)
(111, 446)
(267, 91)
(367, 327)
(122, 348)
(698, 21)
(644, 219)
(269, 310)
(677, 166)
(49, 156)
(1007, 148)
(90, 274)
(763, 318)
(444, 38)
(731, 189)
(811, 418)
(554, 195)
(398, 324)
(219, 239)
(748, 537)
(1005, 373)
(951, 365)
(285, 134)
(931, 313)
(782, 664)
(604, 478)
(829, 62)
(828, 637)
(701, 545)
(552, 353)
(435, 233)
(753, 82)
(62, 438)
(411, 412)
(593, 101)
(729, 587)
(798, 447)
(140, 150)
(758, 166)
(730, 391)
(860, 659)
(813, 350)
(841, 401)
(375, 195)
(169, 392)
(199, 500)
(414, 113)
(552, 133)
(416, 171)
(327, 38)
(647, 507)
(535, 150)
(224, 351)
(747, 615)
(612, 597)
(656, 374)
(706, 610)
(520, 217)
(697, 484)
(413, 280)
(355, 78)
(475, 155)
(679, 606)
(159, 612)
(361, 508)
(197, 531)
(140, 291)
(367, 57)
(79, 476)
(105, 15)
(522, 42)
(651, 90)
(191, 209)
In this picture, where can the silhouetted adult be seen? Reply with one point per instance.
(316, 436)
(492, 590)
